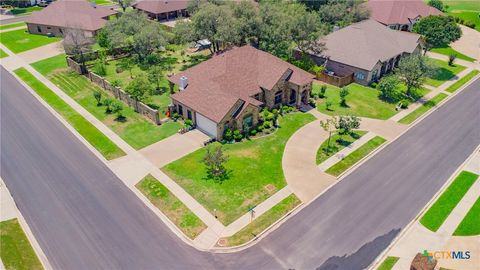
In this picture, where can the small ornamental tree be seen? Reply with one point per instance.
(97, 94)
(117, 108)
(215, 160)
(389, 87)
(139, 89)
(413, 71)
(330, 126)
(346, 124)
(155, 76)
(343, 96)
(124, 4)
(127, 64)
(108, 105)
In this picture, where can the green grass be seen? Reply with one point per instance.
(337, 143)
(454, 87)
(3, 54)
(96, 138)
(12, 25)
(423, 109)
(171, 206)
(444, 72)
(362, 101)
(26, 10)
(449, 51)
(467, 10)
(439, 211)
(471, 16)
(470, 224)
(388, 263)
(17, 252)
(20, 40)
(102, 2)
(355, 156)
(261, 223)
(256, 171)
(135, 129)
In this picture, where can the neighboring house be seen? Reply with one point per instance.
(229, 90)
(64, 14)
(367, 50)
(400, 14)
(163, 10)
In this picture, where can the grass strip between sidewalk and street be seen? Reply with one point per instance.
(337, 143)
(355, 156)
(388, 263)
(423, 109)
(171, 206)
(261, 223)
(3, 54)
(439, 211)
(454, 87)
(17, 252)
(470, 224)
(94, 136)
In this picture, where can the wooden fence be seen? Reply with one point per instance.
(335, 80)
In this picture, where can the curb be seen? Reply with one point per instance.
(405, 230)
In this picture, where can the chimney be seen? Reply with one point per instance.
(183, 83)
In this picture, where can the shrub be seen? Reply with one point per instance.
(389, 89)
(118, 69)
(108, 105)
(311, 102)
(317, 69)
(100, 68)
(116, 83)
(237, 135)
(97, 94)
(404, 103)
(328, 105)
(188, 123)
(253, 132)
(451, 58)
(117, 108)
(267, 124)
(323, 89)
(228, 135)
(175, 116)
(343, 96)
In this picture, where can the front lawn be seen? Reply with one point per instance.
(439, 211)
(470, 224)
(135, 129)
(88, 131)
(261, 223)
(423, 109)
(20, 40)
(12, 25)
(362, 101)
(17, 252)
(25, 10)
(256, 171)
(449, 51)
(444, 73)
(171, 206)
(388, 263)
(3, 54)
(454, 87)
(355, 156)
(337, 143)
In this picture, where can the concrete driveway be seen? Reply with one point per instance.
(174, 147)
(469, 43)
(40, 53)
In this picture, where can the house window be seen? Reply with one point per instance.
(180, 109)
(278, 97)
(360, 76)
(257, 97)
(293, 96)
(48, 28)
(39, 29)
(189, 114)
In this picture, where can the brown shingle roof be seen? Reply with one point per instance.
(160, 6)
(79, 14)
(215, 85)
(399, 11)
(365, 43)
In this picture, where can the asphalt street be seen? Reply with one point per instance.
(85, 218)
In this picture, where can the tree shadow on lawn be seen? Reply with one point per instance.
(443, 74)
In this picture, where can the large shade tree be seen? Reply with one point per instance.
(414, 70)
(438, 31)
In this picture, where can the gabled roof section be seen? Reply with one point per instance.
(79, 14)
(215, 85)
(365, 43)
(160, 6)
(399, 11)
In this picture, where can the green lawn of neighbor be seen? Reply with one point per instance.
(17, 252)
(262, 222)
(25, 10)
(454, 87)
(256, 171)
(3, 54)
(444, 73)
(171, 206)
(465, 9)
(449, 51)
(388, 263)
(135, 129)
(337, 143)
(423, 109)
(471, 16)
(96, 138)
(20, 40)
(362, 101)
(470, 224)
(102, 2)
(355, 156)
(12, 25)
(439, 211)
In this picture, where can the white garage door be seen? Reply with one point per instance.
(206, 125)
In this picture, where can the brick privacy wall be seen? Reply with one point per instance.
(141, 108)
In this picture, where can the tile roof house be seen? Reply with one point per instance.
(400, 14)
(367, 50)
(228, 90)
(163, 10)
(63, 14)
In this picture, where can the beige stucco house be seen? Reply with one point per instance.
(229, 90)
